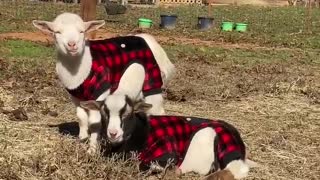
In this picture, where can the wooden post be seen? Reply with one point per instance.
(308, 22)
(156, 2)
(209, 7)
(235, 2)
(88, 11)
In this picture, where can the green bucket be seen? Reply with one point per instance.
(145, 23)
(227, 26)
(241, 27)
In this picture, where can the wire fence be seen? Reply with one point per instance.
(47, 9)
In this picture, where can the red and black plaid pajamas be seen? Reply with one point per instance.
(110, 59)
(170, 137)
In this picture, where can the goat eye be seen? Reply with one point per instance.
(57, 32)
(81, 32)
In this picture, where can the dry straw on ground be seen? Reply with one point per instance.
(277, 116)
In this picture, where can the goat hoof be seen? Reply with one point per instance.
(221, 175)
(83, 136)
(91, 151)
(84, 140)
(178, 172)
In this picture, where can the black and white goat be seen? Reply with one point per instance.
(193, 144)
(84, 65)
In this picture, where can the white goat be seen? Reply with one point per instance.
(192, 144)
(76, 63)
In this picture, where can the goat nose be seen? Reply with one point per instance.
(113, 133)
(71, 43)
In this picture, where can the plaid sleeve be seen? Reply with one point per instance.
(161, 151)
(229, 147)
(99, 83)
(153, 80)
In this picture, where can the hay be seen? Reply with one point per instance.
(280, 127)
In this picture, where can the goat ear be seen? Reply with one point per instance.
(129, 101)
(93, 25)
(141, 106)
(44, 26)
(91, 105)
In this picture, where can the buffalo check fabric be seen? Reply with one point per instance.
(170, 136)
(110, 59)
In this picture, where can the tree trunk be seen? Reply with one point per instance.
(88, 11)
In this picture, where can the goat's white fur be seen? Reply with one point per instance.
(132, 81)
(157, 104)
(74, 65)
(94, 118)
(200, 154)
(73, 72)
(83, 122)
(238, 168)
(114, 105)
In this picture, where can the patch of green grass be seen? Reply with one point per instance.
(276, 26)
(19, 49)
(243, 57)
(24, 50)
(33, 53)
(24, 56)
(17, 16)
(268, 26)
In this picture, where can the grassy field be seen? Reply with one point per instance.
(268, 26)
(266, 82)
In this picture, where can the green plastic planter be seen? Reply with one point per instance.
(241, 27)
(227, 26)
(145, 23)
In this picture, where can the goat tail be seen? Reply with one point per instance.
(240, 168)
(252, 164)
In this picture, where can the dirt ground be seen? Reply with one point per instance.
(276, 113)
(47, 39)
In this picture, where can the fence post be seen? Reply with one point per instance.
(88, 10)
(156, 2)
(308, 22)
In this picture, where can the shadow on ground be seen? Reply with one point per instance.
(68, 128)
